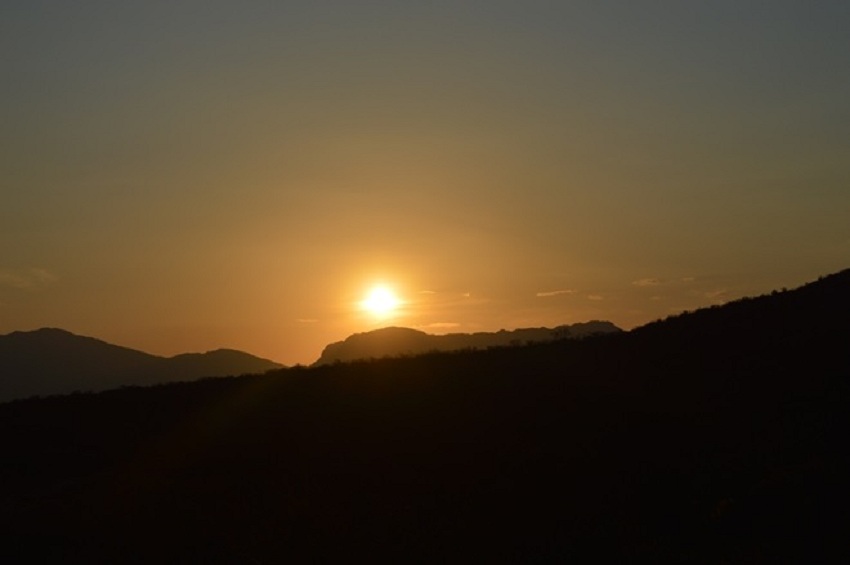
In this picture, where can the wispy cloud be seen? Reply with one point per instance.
(427, 292)
(653, 281)
(26, 279)
(547, 293)
(647, 282)
(306, 320)
(714, 294)
(441, 325)
(595, 297)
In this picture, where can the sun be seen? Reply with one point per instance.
(381, 302)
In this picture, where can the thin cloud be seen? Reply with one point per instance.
(646, 282)
(26, 279)
(427, 292)
(307, 320)
(13, 280)
(652, 281)
(548, 293)
(442, 325)
(595, 297)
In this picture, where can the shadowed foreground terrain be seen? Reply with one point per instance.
(712, 437)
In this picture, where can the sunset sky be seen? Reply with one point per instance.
(182, 176)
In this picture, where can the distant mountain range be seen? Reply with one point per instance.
(53, 361)
(394, 341)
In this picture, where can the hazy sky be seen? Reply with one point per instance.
(181, 176)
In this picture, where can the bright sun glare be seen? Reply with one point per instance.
(380, 302)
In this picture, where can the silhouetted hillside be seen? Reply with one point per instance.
(215, 363)
(713, 437)
(54, 361)
(808, 325)
(392, 342)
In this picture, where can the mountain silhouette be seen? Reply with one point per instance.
(715, 436)
(54, 361)
(396, 341)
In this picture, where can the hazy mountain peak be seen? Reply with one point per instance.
(50, 361)
(395, 341)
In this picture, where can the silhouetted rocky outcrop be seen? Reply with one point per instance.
(53, 361)
(395, 341)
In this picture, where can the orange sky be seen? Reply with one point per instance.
(187, 176)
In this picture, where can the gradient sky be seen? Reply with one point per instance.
(182, 176)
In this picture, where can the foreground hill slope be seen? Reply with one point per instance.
(713, 437)
(54, 361)
(394, 342)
